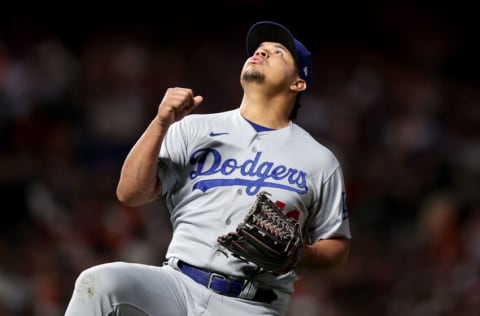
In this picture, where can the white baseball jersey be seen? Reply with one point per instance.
(212, 166)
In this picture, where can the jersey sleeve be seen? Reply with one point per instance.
(330, 217)
(171, 158)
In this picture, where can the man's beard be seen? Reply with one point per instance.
(253, 76)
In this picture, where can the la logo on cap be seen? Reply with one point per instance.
(305, 71)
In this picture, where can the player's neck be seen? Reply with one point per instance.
(264, 115)
(269, 110)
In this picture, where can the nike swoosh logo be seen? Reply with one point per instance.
(213, 134)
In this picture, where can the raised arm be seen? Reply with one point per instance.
(138, 183)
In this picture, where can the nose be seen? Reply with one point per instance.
(261, 52)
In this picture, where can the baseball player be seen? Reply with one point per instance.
(209, 167)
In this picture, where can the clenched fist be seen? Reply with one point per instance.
(176, 103)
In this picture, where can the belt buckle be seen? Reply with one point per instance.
(212, 275)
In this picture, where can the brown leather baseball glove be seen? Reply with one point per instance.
(266, 237)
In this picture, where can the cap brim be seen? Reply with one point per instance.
(270, 32)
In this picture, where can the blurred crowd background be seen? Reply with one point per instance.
(395, 95)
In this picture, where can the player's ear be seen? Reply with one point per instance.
(298, 85)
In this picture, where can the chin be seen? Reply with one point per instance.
(250, 75)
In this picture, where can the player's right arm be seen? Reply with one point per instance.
(138, 183)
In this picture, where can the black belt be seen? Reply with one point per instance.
(223, 285)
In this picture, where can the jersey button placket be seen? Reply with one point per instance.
(254, 147)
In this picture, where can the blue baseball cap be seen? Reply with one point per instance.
(268, 31)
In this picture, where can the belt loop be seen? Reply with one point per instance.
(173, 261)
